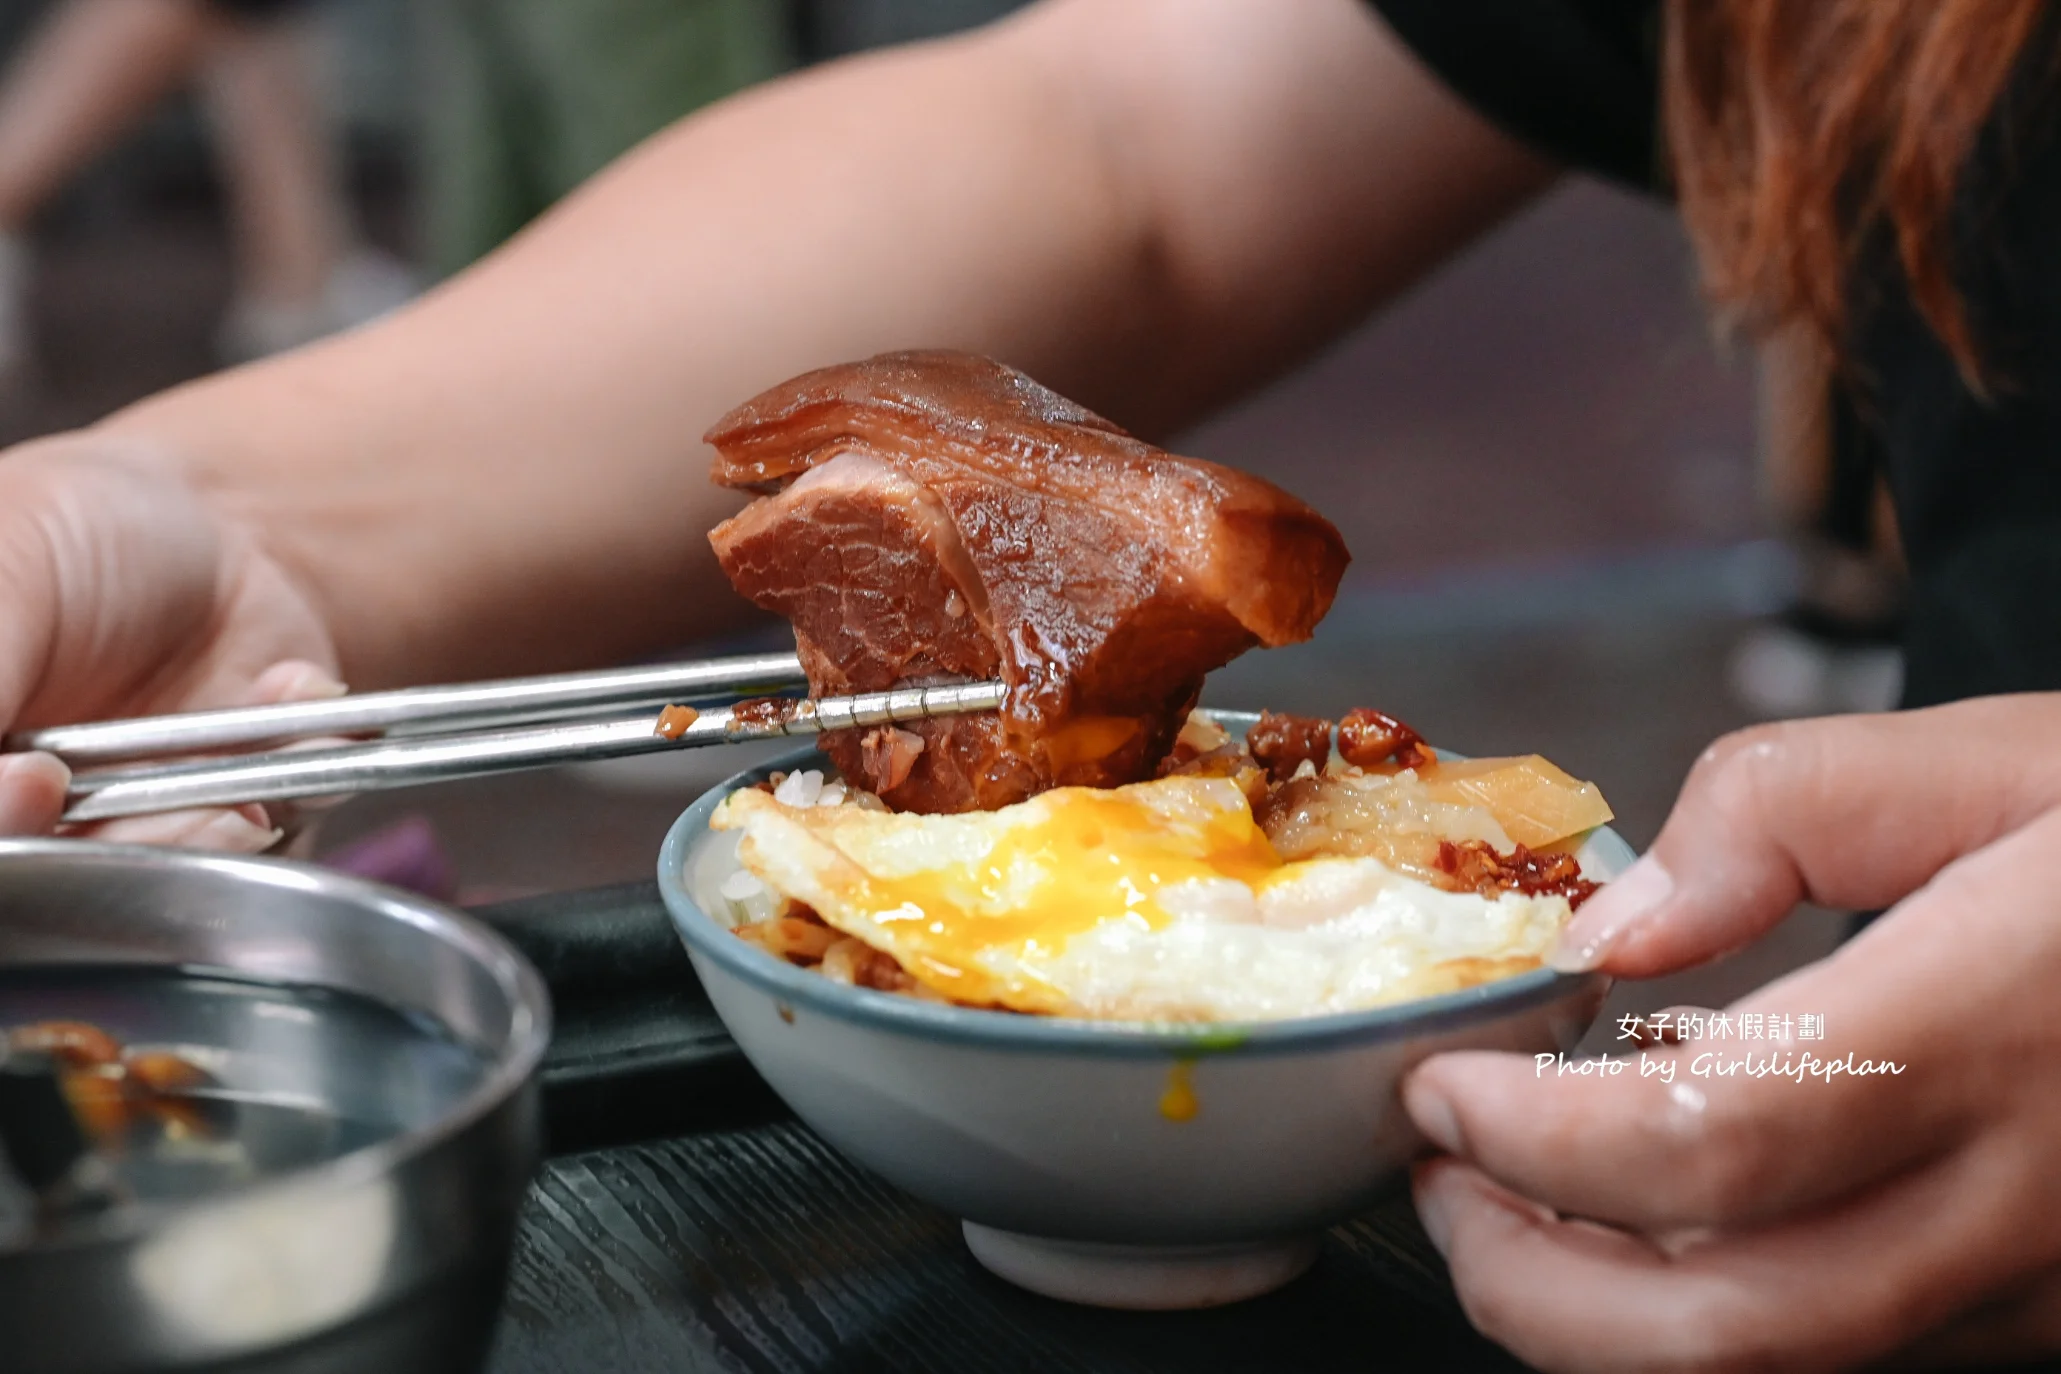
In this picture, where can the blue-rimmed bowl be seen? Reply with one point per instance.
(1123, 1165)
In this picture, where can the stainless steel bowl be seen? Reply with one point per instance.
(387, 1257)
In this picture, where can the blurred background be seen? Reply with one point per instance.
(1547, 471)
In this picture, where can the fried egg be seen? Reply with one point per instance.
(1160, 901)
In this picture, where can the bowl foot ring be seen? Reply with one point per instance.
(1141, 1277)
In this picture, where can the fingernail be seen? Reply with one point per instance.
(313, 684)
(231, 833)
(1434, 1117)
(1431, 1214)
(296, 680)
(31, 787)
(1587, 940)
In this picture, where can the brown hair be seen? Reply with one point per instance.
(1798, 127)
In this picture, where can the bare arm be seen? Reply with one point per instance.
(1148, 204)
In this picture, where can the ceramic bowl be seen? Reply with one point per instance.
(1120, 1165)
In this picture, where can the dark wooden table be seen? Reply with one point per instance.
(759, 1248)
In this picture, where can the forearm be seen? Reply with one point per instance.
(509, 475)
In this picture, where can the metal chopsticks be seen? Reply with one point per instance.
(405, 761)
(505, 703)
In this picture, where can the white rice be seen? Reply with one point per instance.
(719, 882)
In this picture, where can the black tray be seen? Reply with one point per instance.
(637, 1052)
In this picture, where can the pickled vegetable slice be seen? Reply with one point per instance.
(1535, 802)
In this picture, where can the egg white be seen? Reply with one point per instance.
(1317, 936)
(1332, 935)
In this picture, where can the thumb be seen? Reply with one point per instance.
(1851, 812)
(32, 792)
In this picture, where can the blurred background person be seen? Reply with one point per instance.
(529, 98)
(526, 99)
(96, 68)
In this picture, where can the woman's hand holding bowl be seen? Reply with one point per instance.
(1698, 1220)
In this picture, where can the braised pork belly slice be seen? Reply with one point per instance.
(931, 517)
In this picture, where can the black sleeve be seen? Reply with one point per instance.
(255, 9)
(1577, 79)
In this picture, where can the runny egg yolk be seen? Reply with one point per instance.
(1092, 856)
